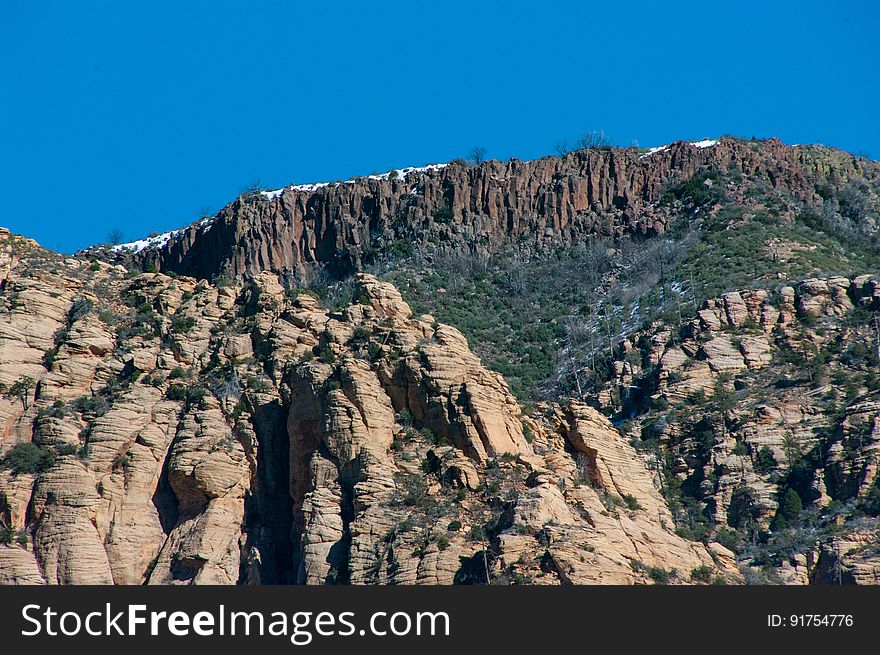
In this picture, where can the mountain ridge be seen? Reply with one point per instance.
(543, 203)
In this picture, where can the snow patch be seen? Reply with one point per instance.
(400, 174)
(705, 143)
(150, 242)
(652, 151)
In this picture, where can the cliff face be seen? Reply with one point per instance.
(533, 205)
(213, 422)
(761, 395)
(167, 431)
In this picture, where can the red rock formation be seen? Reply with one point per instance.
(537, 204)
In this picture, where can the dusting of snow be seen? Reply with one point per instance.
(651, 151)
(705, 143)
(403, 172)
(399, 174)
(150, 242)
(160, 240)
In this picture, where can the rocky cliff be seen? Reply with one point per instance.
(762, 409)
(531, 205)
(689, 338)
(164, 430)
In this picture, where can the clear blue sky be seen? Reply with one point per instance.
(141, 117)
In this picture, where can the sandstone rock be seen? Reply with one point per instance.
(722, 355)
(18, 566)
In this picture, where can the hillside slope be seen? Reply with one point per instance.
(619, 365)
(164, 430)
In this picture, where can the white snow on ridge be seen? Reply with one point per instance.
(401, 174)
(206, 223)
(705, 143)
(150, 242)
(651, 151)
(160, 240)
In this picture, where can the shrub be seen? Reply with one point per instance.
(360, 334)
(701, 573)
(789, 509)
(107, 315)
(182, 324)
(258, 384)
(7, 534)
(701, 189)
(374, 349)
(743, 508)
(428, 435)
(49, 358)
(28, 458)
(91, 405)
(631, 503)
(765, 461)
(870, 503)
(740, 449)
(176, 373)
(176, 392)
(728, 538)
(194, 396)
(454, 525)
(477, 533)
(443, 214)
(78, 309)
(327, 356)
(58, 409)
(660, 575)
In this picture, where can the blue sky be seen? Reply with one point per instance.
(142, 116)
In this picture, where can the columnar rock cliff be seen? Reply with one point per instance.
(535, 205)
(163, 430)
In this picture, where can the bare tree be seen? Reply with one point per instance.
(114, 237)
(478, 155)
(593, 140)
(562, 148)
